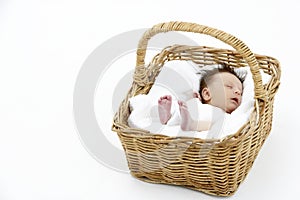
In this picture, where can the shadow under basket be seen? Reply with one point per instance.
(212, 166)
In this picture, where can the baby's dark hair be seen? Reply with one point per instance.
(208, 74)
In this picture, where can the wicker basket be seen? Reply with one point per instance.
(215, 166)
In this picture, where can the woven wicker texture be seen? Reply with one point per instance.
(215, 166)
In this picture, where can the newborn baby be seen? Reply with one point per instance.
(219, 87)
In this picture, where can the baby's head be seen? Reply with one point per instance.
(221, 87)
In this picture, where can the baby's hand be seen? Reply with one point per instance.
(197, 95)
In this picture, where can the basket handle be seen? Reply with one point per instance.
(238, 45)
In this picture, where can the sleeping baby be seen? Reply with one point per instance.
(220, 88)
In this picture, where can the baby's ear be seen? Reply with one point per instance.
(206, 94)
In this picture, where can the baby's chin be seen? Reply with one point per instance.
(229, 110)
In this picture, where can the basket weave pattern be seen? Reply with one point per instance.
(215, 166)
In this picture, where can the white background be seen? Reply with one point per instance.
(43, 45)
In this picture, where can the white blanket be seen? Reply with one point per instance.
(179, 79)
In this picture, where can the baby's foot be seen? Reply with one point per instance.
(164, 108)
(186, 119)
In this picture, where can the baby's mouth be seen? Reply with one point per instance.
(236, 100)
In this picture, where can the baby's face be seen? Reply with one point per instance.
(226, 91)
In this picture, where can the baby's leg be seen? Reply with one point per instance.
(187, 123)
(164, 108)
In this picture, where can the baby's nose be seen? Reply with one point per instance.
(238, 92)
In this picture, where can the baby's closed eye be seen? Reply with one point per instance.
(228, 86)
